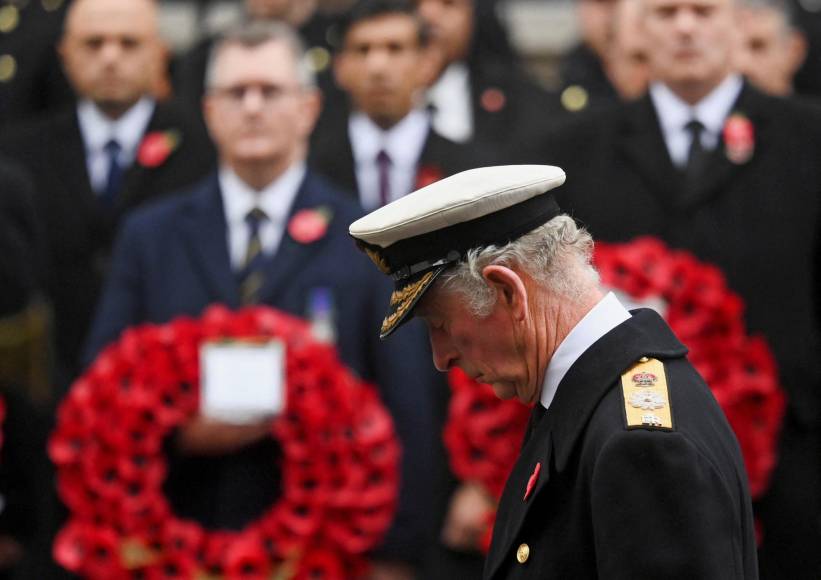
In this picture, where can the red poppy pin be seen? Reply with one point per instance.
(427, 175)
(531, 483)
(156, 146)
(739, 138)
(493, 100)
(309, 225)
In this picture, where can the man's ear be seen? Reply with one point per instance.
(510, 289)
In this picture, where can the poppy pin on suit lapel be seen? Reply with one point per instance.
(739, 138)
(531, 483)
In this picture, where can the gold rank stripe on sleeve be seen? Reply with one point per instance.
(646, 397)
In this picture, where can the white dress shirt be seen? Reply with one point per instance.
(604, 317)
(711, 111)
(452, 103)
(97, 130)
(276, 199)
(403, 143)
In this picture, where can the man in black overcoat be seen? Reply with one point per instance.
(629, 468)
(111, 53)
(744, 196)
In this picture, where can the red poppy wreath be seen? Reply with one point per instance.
(483, 434)
(339, 466)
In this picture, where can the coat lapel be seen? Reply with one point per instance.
(642, 145)
(70, 162)
(292, 254)
(136, 181)
(204, 232)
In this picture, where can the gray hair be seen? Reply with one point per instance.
(557, 255)
(256, 33)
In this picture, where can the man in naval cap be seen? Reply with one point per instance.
(629, 468)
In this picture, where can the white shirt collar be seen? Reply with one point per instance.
(403, 142)
(453, 106)
(711, 111)
(275, 199)
(602, 318)
(97, 129)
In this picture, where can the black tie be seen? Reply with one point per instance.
(114, 181)
(696, 158)
(251, 273)
(383, 164)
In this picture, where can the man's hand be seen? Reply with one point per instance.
(390, 570)
(466, 520)
(205, 436)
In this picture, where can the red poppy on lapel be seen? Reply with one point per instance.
(493, 100)
(309, 225)
(531, 483)
(156, 147)
(739, 138)
(427, 175)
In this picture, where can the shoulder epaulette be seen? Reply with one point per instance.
(646, 398)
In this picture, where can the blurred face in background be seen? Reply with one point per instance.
(692, 44)
(770, 51)
(257, 110)
(111, 51)
(595, 17)
(383, 67)
(451, 26)
(626, 62)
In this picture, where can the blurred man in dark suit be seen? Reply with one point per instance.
(772, 47)
(383, 147)
(94, 162)
(708, 163)
(584, 82)
(234, 239)
(481, 95)
(31, 82)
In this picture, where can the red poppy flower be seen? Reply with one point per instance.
(309, 225)
(156, 147)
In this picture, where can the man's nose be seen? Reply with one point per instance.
(685, 21)
(444, 356)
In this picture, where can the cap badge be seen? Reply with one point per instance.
(377, 259)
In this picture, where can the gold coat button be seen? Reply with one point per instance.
(523, 553)
(8, 67)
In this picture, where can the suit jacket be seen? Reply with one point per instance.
(332, 154)
(171, 259)
(78, 232)
(757, 221)
(611, 502)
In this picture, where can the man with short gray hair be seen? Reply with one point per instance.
(629, 468)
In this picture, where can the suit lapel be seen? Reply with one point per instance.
(291, 254)
(539, 449)
(642, 145)
(136, 181)
(70, 161)
(204, 232)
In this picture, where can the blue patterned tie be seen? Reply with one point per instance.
(114, 182)
(251, 273)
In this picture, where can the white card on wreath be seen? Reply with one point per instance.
(242, 381)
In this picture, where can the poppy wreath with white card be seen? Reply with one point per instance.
(339, 460)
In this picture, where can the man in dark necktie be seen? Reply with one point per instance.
(96, 160)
